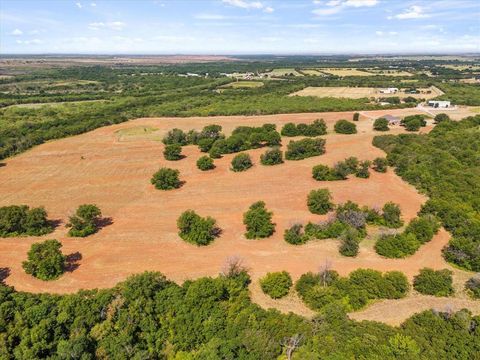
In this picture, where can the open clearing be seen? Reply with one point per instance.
(284, 72)
(112, 167)
(344, 72)
(363, 92)
(243, 85)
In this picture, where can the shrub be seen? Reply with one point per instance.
(345, 127)
(195, 229)
(306, 282)
(396, 285)
(317, 128)
(392, 215)
(413, 122)
(276, 284)
(205, 163)
(441, 117)
(173, 152)
(431, 282)
(295, 236)
(18, 220)
(272, 157)
(350, 239)
(327, 230)
(166, 179)
(423, 227)
(258, 221)
(241, 162)
(322, 173)
(85, 221)
(380, 165)
(319, 201)
(289, 129)
(45, 260)
(381, 124)
(473, 287)
(369, 280)
(350, 214)
(301, 149)
(175, 136)
(356, 116)
(362, 170)
(397, 246)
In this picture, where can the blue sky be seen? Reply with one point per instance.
(239, 26)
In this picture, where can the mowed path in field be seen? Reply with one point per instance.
(114, 172)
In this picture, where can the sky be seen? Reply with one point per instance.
(239, 26)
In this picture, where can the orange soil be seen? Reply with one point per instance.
(114, 172)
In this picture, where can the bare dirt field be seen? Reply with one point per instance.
(363, 92)
(112, 167)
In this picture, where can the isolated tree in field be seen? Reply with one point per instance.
(381, 124)
(173, 152)
(175, 136)
(392, 215)
(241, 162)
(276, 284)
(319, 201)
(434, 282)
(356, 116)
(205, 163)
(196, 229)
(45, 260)
(302, 149)
(166, 179)
(380, 165)
(85, 221)
(272, 157)
(441, 117)
(18, 220)
(258, 221)
(345, 127)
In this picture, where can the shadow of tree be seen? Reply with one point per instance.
(4, 273)
(72, 261)
(103, 222)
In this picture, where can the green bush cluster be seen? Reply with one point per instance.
(16, 220)
(272, 156)
(473, 287)
(319, 201)
(345, 127)
(380, 165)
(356, 116)
(317, 128)
(45, 260)
(258, 221)
(241, 162)
(302, 149)
(342, 169)
(443, 164)
(173, 152)
(195, 229)
(434, 282)
(381, 124)
(276, 284)
(440, 118)
(85, 221)
(205, 163)
(413, 122)
(204, 139)
(245, 138)
(166, 179)
(353, 292)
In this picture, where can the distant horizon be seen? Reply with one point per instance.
(240, 27)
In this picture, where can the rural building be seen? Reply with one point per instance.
(392, 120)
(389, 91)
(439, 104)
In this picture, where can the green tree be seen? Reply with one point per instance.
(302, 149)
(345, 127)
(272, 156)
(195, 229)
(173, 152)
(205, 163)
(18, 220)
(175, 136)
(45, 260)
(276, 284)
(166, 179)
(241, 162)
(356, 116)
(434, 282)
(380, 165)
(363, 170)
(441, 117)
(85, 221)
(258, 221)
(319, 201)
(391, 214)
(295, 236)
(381, 124)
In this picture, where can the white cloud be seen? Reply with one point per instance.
(210, 17)
(17, 32)
(270, 38)
(244, 4)
(335, 6)
(413, 12)
(29, 42)
(79, 5)
(113, 25)
(379, 33)
(93, 4)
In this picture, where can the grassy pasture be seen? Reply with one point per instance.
(284, 72)
(243, 85)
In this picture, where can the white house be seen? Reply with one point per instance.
(439, 104)
(389, 91)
